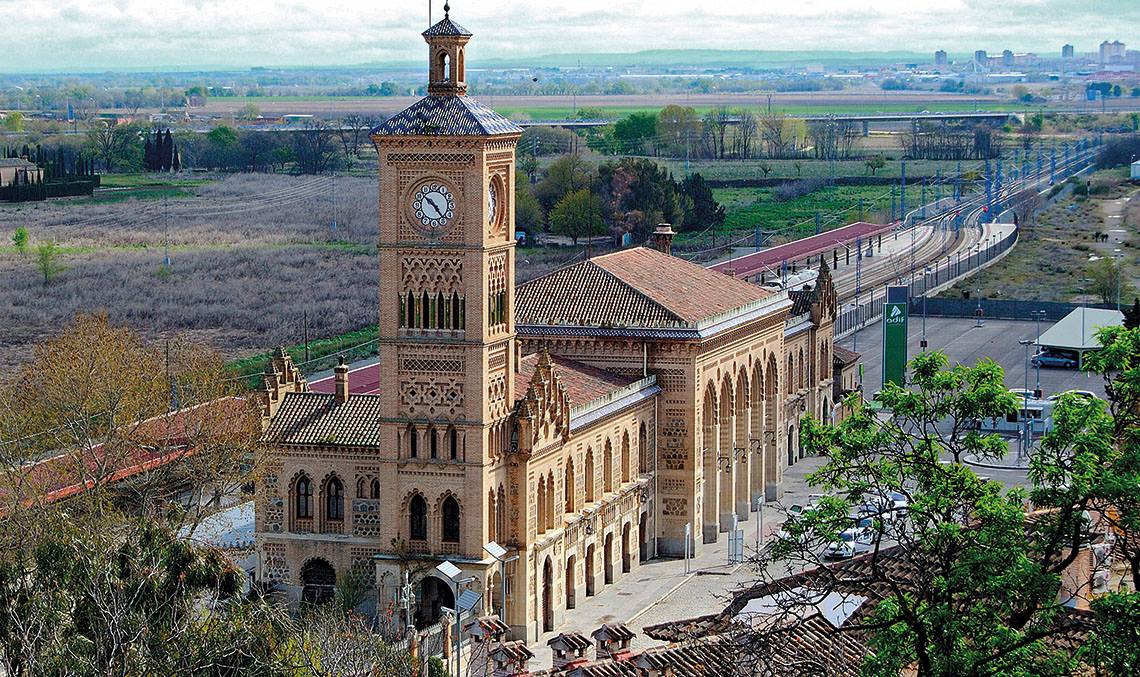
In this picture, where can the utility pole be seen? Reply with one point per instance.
(334, 202)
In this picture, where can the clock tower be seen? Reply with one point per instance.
(447, 286)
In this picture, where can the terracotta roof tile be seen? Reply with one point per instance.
(843, 355)
(583, 383)
(637, 287)
(446, 27)
(316, 418)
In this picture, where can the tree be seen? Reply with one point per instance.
(116, 146)
(1109, 280)
(1132, 315)
(47, 260)
(353, 129)
(677, 128)
(14, 122)
(250, 111)
(703, 211)
(315, 149)
(528, 213)
(565, 175)
(875, 163)
(20, 240)
(970, 584)
(578, 214)
(634, 131)
(766, 168)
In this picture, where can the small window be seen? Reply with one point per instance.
(304, 499)
(334, 499)
(413, 442)
(375, 492)
(433, 440)
(417, 518)
(360, 488)
(453, 444)
(450, 512)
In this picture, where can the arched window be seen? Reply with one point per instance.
(540, 523)
(450, 514)
(501, 513)
(444, 73)
(425, 311)
(492, 522)
(625, 459)
(334, 499)
(413, 442)
(789, 383)
(375, 490)
(433, 442)
(303, 506)
(439, 311)
(642, 449)
(608, 467)
(410, 311)
(589, 476)
(455, 311)
(568, 488)
(453, 444)
(800, 374)
(360, 488)
(417, 518)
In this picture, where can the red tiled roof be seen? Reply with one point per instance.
(843, 355)
(637, 287)
(153, 443)
(583, 382)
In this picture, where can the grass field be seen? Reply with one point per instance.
(750, 208)
(727, 170)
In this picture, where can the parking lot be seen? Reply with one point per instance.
(965, 343)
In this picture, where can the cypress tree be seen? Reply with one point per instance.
(167, 151)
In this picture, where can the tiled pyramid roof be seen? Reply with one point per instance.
(637, 287)
(448, 115)
(446, 27)
(316, 418)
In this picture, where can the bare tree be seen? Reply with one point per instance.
(746, 132)
(774, 129)
(315, 148)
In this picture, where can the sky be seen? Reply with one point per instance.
(133, 34)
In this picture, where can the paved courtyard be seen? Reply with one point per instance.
(661, 591)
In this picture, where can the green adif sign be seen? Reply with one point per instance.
(894, 335)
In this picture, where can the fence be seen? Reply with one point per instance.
(1003, 309)
(867, 310)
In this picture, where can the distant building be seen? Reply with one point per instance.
(1112, 52)
(940, 59)
(981, 58)
(1136, 169)
(1007, 58)
(1068, 52)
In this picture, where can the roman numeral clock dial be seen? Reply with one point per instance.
(433, 210)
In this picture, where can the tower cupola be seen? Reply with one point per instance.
(447, 42)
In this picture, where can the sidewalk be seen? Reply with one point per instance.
(660, 591)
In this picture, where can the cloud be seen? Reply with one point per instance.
(61, 34)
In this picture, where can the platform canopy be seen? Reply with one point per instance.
(1077, 330)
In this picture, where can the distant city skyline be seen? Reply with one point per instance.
(132, 34)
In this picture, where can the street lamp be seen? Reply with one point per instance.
(454, 574)
(1023, 441)
(1038, 315)
(499, 554)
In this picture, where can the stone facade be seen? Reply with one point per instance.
(581, 420)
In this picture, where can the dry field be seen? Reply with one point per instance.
(251, 254)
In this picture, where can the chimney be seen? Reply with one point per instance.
(612, 641)
(341, 379)
(569, 650)
(663, 238)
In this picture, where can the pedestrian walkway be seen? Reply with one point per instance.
(660, 590)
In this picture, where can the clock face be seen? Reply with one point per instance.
(433, 208)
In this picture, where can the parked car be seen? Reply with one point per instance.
(877, 508)
(1080, 393)
(1051, 360)
(850, 542)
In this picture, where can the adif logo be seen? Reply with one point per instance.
(895, 316)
